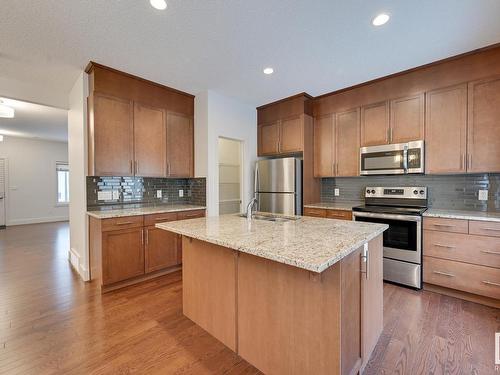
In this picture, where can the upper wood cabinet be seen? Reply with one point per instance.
(336, 144)
(375, 124)
(407, 119)
(111, 136)
(149, 141)
(281, 126)
(446, 130)
(138, 127)
(180, 144)
(483, 141)
(395, 121)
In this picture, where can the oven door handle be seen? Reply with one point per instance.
(405, 159)
(387, 216)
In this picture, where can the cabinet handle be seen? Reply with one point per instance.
(492, 229)
(131, 167)
(168, 169)
(365, 258)
(390, 135)
(161, 218)
(462, 161)
(137, 167)
(447, 246)
(333, 168)
(490, 252)
(490, 283)
(125, 223)
(443, 225)
(387, 136)
(147, 236)
(470, 161)
(142, 237)
(444, 273)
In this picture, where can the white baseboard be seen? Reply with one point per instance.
(37, 220)
(75, 261)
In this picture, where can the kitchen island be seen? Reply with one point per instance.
(301, 296)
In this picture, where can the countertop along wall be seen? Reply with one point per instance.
(31, 187)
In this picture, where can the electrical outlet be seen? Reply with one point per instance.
(181, 193)
(483, 195)
(158, 193)
(116, 195)
(336, 192)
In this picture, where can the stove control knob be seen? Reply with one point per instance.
(373, 191)
(415, 192)
(368, 191)
(422, 192)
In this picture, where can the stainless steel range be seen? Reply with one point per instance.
(401, 208)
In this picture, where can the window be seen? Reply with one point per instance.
(62, 170)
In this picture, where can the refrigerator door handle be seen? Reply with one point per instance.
(256, 180)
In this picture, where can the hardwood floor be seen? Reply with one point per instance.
(52, 323)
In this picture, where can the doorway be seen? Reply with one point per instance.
(230, 161)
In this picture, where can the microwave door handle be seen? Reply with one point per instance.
(405, 159)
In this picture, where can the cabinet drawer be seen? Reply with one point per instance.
(159, 218)
(316, 212)
(484, 228)
(480, 250)
(484, 281)
(446, 225)
(126, 222)
(339, 214)
(183, 215)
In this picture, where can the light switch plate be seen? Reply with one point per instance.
(181, 193)
(158, 193)
(336, 192)
(104, 195)
(116, 195)
(483, 195)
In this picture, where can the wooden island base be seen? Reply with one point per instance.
(283, 319)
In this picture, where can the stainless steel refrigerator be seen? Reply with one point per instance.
(278, 185)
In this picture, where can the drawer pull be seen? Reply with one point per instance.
(491, 283)
(161, 218)
(447, 246)
(443, 225)
(444, 273)
(125, 223)
(490, 252)
(493, 229)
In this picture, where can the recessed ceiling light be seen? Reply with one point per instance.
(5, 111)
(158, 4)
(268, 71)
(380, 19)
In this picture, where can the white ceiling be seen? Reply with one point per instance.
(35, 121)
(223, 45)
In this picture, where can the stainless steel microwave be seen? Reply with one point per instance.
(401, 158)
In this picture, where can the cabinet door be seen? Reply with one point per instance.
(407, 119)
(347, 130)
(269, 136)
(292, 135)
(150, 141)
(111, 134)
(161, 249)
(180, 140)
(446, 130)
(375, 124)
(122, 255)
(324, 146)
(484, 126)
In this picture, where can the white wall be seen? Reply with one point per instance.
(221, 116)
(77, 146)
(31, 187)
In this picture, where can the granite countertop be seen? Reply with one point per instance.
(313, 244)
(108, 213)
(462, 214)
(334, 205)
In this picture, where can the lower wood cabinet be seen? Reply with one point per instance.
(463, 255)
(130, 249)
(328, 213)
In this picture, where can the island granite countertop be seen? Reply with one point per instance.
(463, 214)
(108, 213)
(313, 244)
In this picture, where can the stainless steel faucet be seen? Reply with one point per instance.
(249, 208)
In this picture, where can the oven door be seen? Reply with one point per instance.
(386, 159)
(403, 239)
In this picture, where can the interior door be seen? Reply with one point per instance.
(484, 126)
(324, 146)
(375, 124)
(291, 138)
(150, 141)
(112, 129)
(347, 129)
(180, 137)
(446, 130)
(407, 119)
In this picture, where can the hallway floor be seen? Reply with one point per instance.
(53, 323)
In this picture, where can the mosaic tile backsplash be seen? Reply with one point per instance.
(458, 192)
(133, 190)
